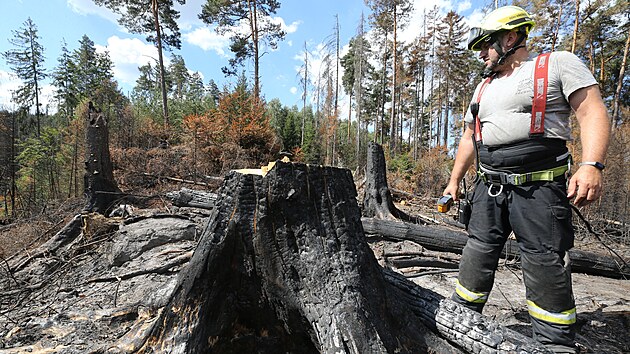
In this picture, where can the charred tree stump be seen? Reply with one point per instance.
(283, 266)
(101, 190)
(377, 200)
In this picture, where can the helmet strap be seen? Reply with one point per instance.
(503, 56)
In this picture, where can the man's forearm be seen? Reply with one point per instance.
(464, 157)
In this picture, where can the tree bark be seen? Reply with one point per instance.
(283, 266)
(101, 190)
(377, 200)
(158, 41)
(622, 71)
(445, 240)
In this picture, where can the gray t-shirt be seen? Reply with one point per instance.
(506, 104)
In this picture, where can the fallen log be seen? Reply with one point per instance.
(192, 198)
(283, 266)
(435, 238)
(446, 240)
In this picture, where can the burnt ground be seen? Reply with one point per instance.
(603, 304)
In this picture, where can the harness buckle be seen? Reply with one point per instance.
(510, 179)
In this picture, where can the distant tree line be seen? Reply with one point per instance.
(408, 96)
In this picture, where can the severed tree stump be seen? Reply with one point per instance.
(101, 190)
(283, 267)
(377, 201)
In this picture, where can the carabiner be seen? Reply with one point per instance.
(497, 194)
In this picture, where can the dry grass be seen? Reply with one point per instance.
(26, 234)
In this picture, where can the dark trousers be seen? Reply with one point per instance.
(540, 216)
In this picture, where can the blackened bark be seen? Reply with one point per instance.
(377, 200)
(441, 239)
(283, 266)
(101, 190)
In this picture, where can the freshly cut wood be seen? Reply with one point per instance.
(446, 240)
(284, 266)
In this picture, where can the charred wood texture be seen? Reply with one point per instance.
(283, 266)
(192, 198)
(377, 201)
(445, 240)
(101, 190)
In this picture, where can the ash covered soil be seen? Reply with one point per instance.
(100, 288)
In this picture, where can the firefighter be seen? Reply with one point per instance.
(517, 128)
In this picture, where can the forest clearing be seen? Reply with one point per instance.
(183, 217)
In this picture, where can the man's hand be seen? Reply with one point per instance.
(585, 185)
(453, 190)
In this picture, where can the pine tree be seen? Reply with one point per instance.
(64, 79)
(452, 57)
(92, 68)
(158, 19)
(27, 61)
(228, 15)
(178, 76)
(389, 15)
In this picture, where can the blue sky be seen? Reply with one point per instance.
(305, 21)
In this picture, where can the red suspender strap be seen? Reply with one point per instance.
(476, 115)
(539, 103)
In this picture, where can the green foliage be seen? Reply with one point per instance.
(41, 161)
(140, 16)
(65, 78)
(229, 15)
(92, 69)
(27, 61)
(401, 163)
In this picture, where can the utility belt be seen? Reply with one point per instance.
(531, 160)
(516, 179)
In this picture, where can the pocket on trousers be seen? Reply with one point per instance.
(561, 227)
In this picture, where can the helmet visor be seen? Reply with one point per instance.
(476, 37)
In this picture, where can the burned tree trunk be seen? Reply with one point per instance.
(377, 201)
(445, 240)
(101, 190)
(283, 266)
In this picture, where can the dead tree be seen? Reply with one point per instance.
(283, 266)
(101, 190)
(377, 200)
(446, 240)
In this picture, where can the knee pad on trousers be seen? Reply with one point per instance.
(476, 273)
(549, 297)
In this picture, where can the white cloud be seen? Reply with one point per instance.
(293, 90)
(207, 39)
(189, 14)
(87, 7)
(47, 98)
(9, 82)
(292, 28)
(475, 18)
(128, 54)
(463, 6)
